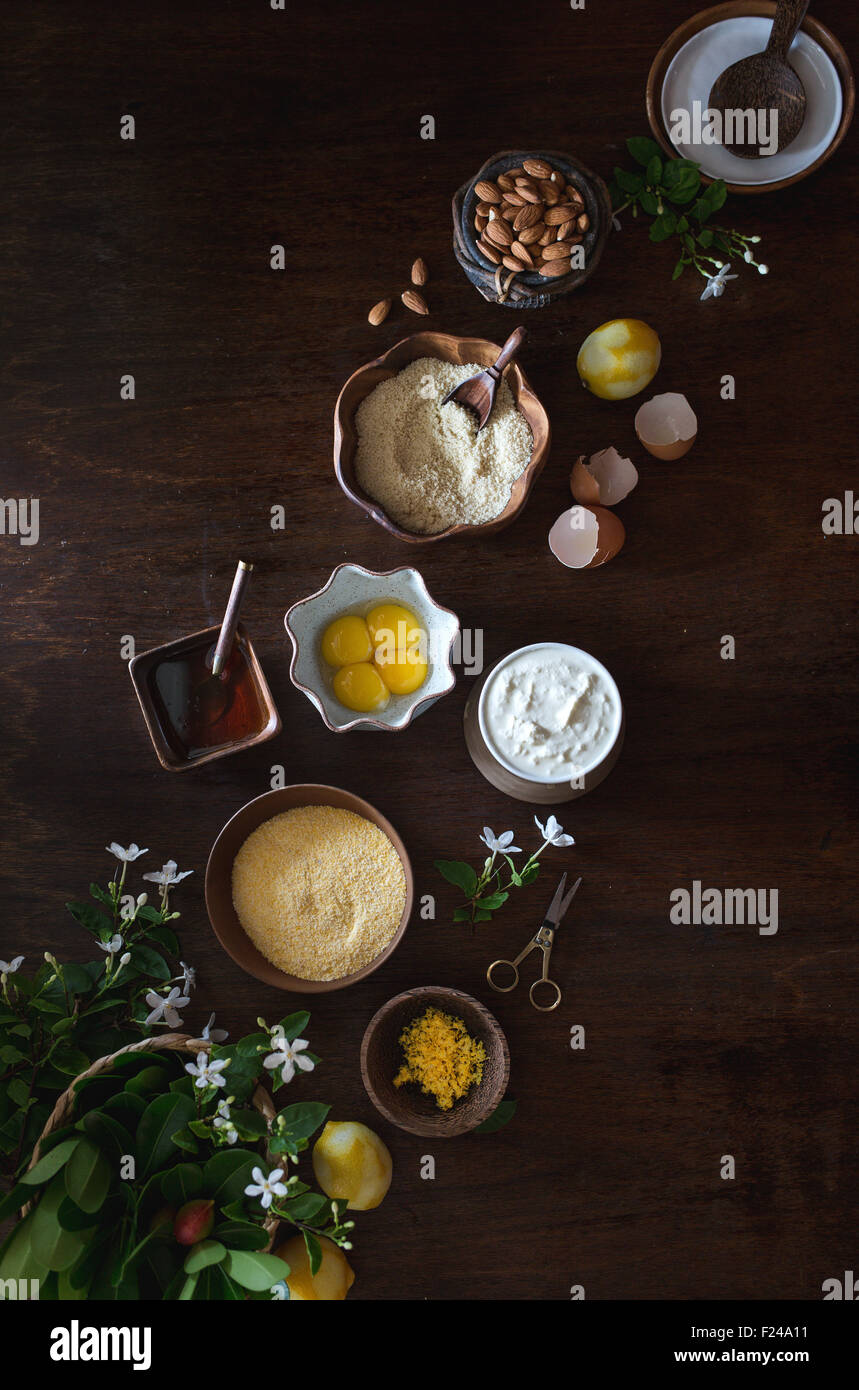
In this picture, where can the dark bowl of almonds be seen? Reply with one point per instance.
(530, 227)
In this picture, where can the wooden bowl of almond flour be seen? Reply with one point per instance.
(418, 468)
(309, 888)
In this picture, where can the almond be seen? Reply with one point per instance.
(505, 183)
(583, 222)
(556, 176)
(509, 211)
(515, 199)
(420, 274)
(414, 301)
(487, 192)
(521, 253)
(529, 235)
(574, 196)
(490, 252)
(537, 168)
(484, 209)
(517, 172)
(574, 240)
(551, 269)
(527, 216)
(498, 232)
(556, 252)
(566, 230)
(379, 312)
(480, 222)
(548, 235)
(513, 263)
(549, 192)
(562, 212)
(531, 195)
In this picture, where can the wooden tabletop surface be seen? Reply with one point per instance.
(151, 257)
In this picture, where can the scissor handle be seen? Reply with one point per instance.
(545, 1008)
(503, 989)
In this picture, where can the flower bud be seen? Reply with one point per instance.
(143, 899)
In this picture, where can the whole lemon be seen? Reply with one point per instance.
(619, 359)
(352, 1164)
(332, 1280)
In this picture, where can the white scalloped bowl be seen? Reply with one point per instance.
(352, 589)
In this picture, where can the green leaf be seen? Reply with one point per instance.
(161, 1119)
(305, 1207)
(112, 1138)
(150, 962)
(462, 914)
(501, 1116)
(643, 150)
(302, 1120)
(227, 1174)
(71, 1218)
(9, 1055)
(649, 202)
(249, 1046)
(460, 874)
(717, 193)
(705, 236)
(654, 169)
(87, 1176)
(204, 1253)
(52, 1245)
(90, 918)
(184, 1140)
(101, 895)
(493, 901)
(50, 1163)
(145, 1082)
(481, 915)
(664, 226)
(630, 183)
(186, 1293)
(294, 1024)
(529, 874)
(182, 1183)
(255, 1270)
(13, 1200)
(162, 935)
(678, 270)
(70, 1060)
(314, 1251)
(17, 1257)
(241, 1235)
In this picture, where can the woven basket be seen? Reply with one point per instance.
(164, 1042)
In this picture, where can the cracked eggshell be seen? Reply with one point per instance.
(605, 480)
(584, 537)
(667, 426)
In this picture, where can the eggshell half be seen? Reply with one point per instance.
(584, 537)
(667, 426)
(583, 484)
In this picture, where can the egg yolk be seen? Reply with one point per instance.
(360, 687)
(346, 641)
(399, 644)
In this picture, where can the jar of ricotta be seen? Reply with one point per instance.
(546, 724)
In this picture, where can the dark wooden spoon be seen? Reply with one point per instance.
(766, 82)
(477, 393)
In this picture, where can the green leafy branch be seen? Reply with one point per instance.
(488, 889)
(670, 191)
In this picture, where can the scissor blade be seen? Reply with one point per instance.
(558, 910)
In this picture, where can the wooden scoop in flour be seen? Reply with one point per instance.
(478, 393)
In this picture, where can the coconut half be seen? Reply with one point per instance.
(584, 537)
(667, 426)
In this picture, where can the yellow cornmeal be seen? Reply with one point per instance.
(320, 891)
(441, 1057)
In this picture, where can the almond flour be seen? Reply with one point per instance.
(424, 462)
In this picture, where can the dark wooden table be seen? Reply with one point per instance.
(151, 257)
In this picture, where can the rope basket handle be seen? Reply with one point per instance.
(164, 1042)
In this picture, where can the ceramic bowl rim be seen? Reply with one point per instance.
(294, 983)
(496, 752)
(362, 721)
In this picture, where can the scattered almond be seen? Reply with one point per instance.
(414, 301)
(379, 312)
(420, 274)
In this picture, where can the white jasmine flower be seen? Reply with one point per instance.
(224, 1122)
(763, 269)
(715, 285)
(286, 1056)
(165, 1008)
(112, 946)
(8, 967)
(499, 844)
(266, 1188)
(189, 976)
(214, 1035)
(206, 1072)
(280, 1291)
(553, 833)
(127, 856)
(166, 876)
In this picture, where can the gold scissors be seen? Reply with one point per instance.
(542, 941)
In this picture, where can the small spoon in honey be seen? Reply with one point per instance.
(218, 681)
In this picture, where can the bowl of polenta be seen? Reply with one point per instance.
(371, 649)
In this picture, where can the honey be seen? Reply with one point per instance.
(200, 714)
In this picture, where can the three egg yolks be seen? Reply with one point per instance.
(376, 657)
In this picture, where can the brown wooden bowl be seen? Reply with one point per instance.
(448, 349)
(219, 882)
(407, 1106)
(733, 10)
